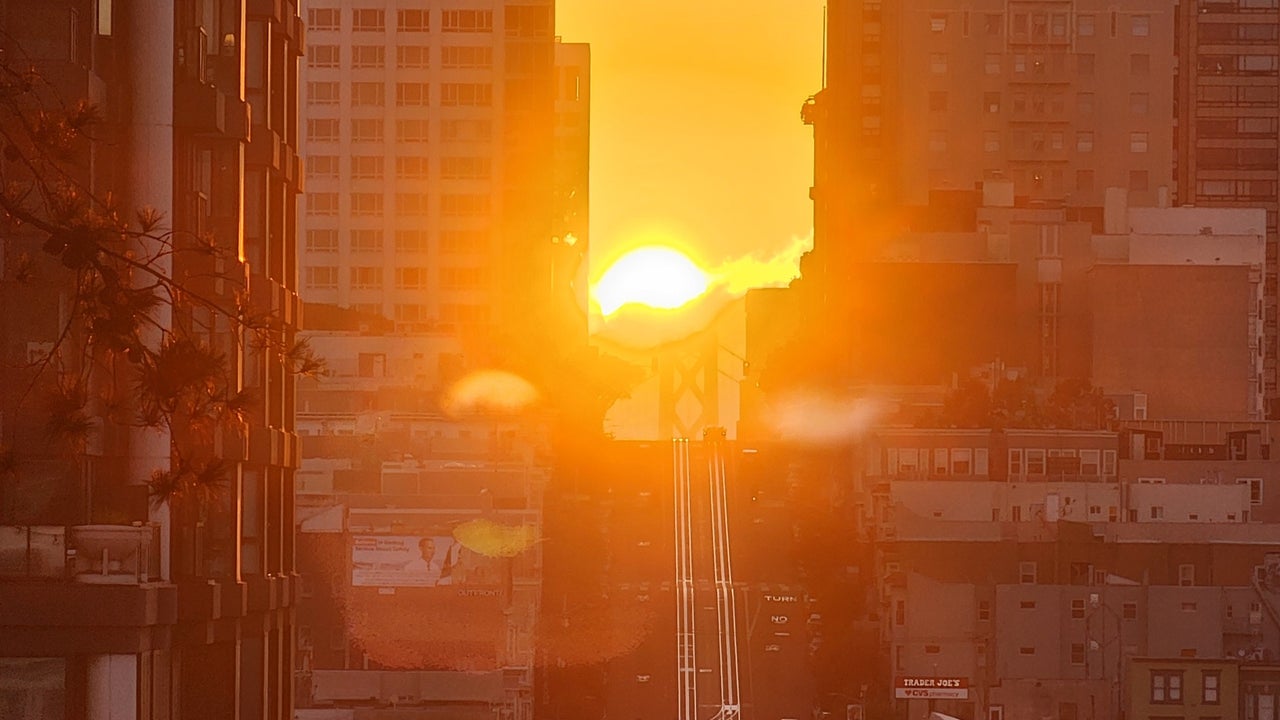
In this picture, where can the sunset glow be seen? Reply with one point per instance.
(657, 277)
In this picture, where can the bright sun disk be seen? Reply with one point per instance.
(653, 276)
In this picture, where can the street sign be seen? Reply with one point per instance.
(930, 688)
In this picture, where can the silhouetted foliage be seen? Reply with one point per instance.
(117, 355)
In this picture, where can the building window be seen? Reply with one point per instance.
(322, 203)
(992, 64)
(938, 63)
(1166, 686)
(322, 130)
(932, 649)
(411, 130)
(1035, 462)
(1077, 609)
(366, 167)
(469, 129)
(466, 94)
(1129, 611)
(937, 22)
(322, 93)
(463, 241)
(1027, 605)
(467, 20)
(411, 240)
(1084, 142)
(1077, 653)
(411, 167)
(1140, 25)
(1186, 575)
(322, 240)
(1015, 462)
(993, 23)
(322, 166)
(366, 240)
(413, 20)
(368, 94)
(463, 57)
(320, 277)
(1157, 512)
(1027, 572)
(412, 94)
(411, 204)
(367, 130)
(366, 277)
(1255, 489)
(1084, 25)
(1138, 142)
(411, 278)
(324, 19)
(995, 712)
(368, 20)
(1027, 650)
(365, 57)
(464, 205)
(899, 612)
(465, 168)
(1084, 64)
(1139, 103)
(366, 203)
(1210, 685)
(410, 313)
(323, 56)
(413, 56)
(1090, 464)
(937, 101)
(937, 141)
(991, 102)
(984, 611)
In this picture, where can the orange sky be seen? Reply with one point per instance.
(695, 128)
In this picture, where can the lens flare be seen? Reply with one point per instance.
(489, 392)
(653, 276)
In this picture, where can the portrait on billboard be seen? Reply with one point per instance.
(405, 561)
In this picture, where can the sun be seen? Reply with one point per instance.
(653, 276)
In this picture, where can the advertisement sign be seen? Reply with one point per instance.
(405, 560)
(931, 688)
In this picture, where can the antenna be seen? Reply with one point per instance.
(824, 47)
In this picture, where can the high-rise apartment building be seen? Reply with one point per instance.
(1064, 98)
(118, 602)
(1228, 122)
(1170, 103)
(429, 141)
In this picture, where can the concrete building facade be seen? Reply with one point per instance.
(120, 603)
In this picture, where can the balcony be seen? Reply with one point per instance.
(90, 554)
(114, 554)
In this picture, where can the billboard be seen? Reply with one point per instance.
(405, 561)
(931, 688)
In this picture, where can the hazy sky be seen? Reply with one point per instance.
(695, 128)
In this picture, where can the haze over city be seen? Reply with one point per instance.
(574, 360)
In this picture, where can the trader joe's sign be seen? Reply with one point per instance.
(912, 687)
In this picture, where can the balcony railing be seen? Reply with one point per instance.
(96, 554)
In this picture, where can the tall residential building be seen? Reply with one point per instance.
(115, 604)
(1228, 123)
(1172, 103)
(429, 144)
(1064, 98)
